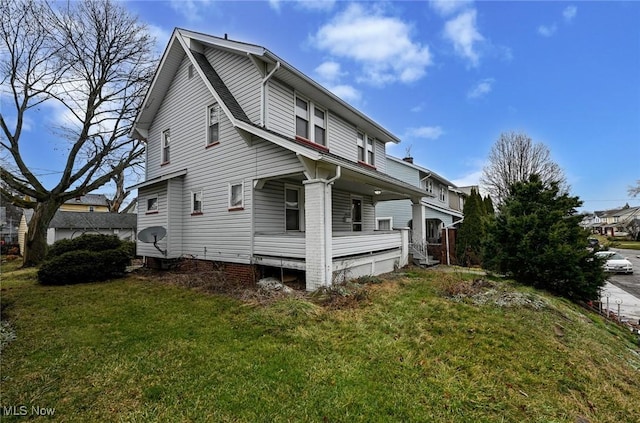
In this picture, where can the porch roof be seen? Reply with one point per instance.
(158, 179)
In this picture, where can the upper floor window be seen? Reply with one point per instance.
(166, 142)
(443, 193)
(213, 126)
(302, 118)
(427, 185)
(92, 209)
(312, 129)
(365, 148)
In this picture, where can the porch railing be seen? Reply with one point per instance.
(292, 245)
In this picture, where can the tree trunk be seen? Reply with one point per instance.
(36, 236)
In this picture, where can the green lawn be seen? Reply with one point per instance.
(137, 349)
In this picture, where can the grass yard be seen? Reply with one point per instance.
(139, 349)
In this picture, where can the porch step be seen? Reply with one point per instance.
(423, 261)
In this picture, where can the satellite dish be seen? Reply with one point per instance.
(153, 234)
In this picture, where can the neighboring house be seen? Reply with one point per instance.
(441, 207)
(623, 221)
(251, 163)
(132, 207)
(68, 225)
(87, 203)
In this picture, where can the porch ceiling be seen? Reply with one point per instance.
(359, 183)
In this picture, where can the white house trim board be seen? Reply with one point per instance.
(159, 179)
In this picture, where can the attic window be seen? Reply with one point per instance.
(190, 71)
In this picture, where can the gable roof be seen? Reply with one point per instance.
(82, 220)
(90, 200)
(184, 42)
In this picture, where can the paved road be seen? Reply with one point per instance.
(629, 283)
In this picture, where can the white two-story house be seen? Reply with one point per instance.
(252, 164)
(441, 208)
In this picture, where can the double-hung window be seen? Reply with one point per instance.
(302, 118)
(166, 142)
(319, 126)
(365, 148)
(196, 202)
(311, 122)
(213, 125)
(293, 209)
(443, 193)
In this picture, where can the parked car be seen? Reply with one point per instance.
(615, 262)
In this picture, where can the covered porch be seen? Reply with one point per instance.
(322, 221)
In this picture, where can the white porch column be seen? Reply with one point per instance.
(419, 232)
(318, 234)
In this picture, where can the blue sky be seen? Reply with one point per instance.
(448, 77)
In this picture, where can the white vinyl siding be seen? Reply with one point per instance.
(341, 212)
(242, 78)
(341, 136)
(280, 109)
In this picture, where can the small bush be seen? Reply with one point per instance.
(129, 247)
(88, 258)
(87, 242)
(10, 248)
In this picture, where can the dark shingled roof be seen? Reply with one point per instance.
(82, 220)
(220, 87)
(90, 200)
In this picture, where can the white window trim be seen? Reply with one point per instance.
(378, 219)
(229, 196)
(367, 144)
(193, 210)
(166, 135)
(443, 194)
(207, 124)
(311, 124)
(150, 197)
(300, 207)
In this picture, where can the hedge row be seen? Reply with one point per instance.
(88, 258)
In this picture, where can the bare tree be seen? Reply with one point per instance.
(513, 158)
(634, 191)
(94, 60)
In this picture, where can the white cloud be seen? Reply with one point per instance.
(345, 92)
(417, 108)
(329, 71)
(313, 5)
(547, 31)
(449, 7)
(481, 88)
(381, 44)
(569, 13)
(463, 33)
(190, 9)
(426, 132)
(472, 178)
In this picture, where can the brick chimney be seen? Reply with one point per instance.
(408, 159)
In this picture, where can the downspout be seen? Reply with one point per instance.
(263, 96)
(328, 223)
(446, 235)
